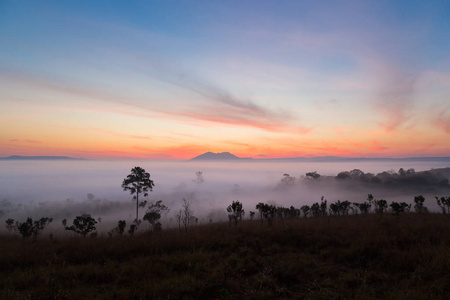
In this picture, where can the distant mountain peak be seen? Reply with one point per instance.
(216, 156)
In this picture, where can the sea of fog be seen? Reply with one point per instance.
(60, 188)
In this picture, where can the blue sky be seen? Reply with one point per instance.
(171, 79)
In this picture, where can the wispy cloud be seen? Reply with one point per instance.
(442, 120)
(215, 104)
(25, 141)
(395, 100)
(211, 103)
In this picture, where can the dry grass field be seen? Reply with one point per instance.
(346, 257)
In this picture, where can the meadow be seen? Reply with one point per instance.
(365, 256)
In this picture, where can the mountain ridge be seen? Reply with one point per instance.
(216, 156)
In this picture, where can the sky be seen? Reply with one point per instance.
(262, 79)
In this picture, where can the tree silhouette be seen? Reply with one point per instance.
(235, 212)
(199, 177)
(10, 225)
(30, 228)
(153, 214)
(418, 206)
(83, 224)
(398, 208)
(444, 204)
(185, 216)
(138, 182)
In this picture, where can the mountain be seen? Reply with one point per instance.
(18, 157)
(216, 156)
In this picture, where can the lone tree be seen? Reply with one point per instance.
(185, 216)
(138, 182)
(235, 212)
(199, 178)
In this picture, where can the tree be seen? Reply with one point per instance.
(198, 177)
(315, 210)
(132, 229)
(260, 208)
(83, 224)
(323, 206)
(235, 212)
(30, 228)
(138, 182)
(267, 211)
(305, 210)
(364, 207)
(444, 203)
(380, 206)
(313, 175)
(398, 208)
(418, 206)
(120, 228)
(288, 180)
(185, 216)
(10, 225)
(153, 214)
(252, 215)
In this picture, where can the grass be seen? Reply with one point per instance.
(347, 257)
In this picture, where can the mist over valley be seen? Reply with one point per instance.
(65, 188)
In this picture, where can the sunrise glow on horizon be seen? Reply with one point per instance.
(260, 79)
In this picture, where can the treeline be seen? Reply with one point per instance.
(269, 212)
(86, 225)
(409, 177)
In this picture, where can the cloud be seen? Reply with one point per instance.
(25, 141)
(214, 104)
(394, 95)
(218, 105)
(442, 120)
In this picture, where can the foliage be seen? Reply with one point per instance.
(404, 178)
(10, 225)
(267, 211)
(119, 229)
(83, 224)
(340, 208)
(444, 204)
(30, 228)
(138, 182)
(398, 208)
(313, 175)
(153, 214)
(287, 180)
(132, 229)
(305, 209)
(418, 204)
(235, 212)
(380, 206)
(364, 207)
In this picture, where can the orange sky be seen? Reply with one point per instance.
(297, 79)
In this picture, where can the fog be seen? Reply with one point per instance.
(59, 189)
